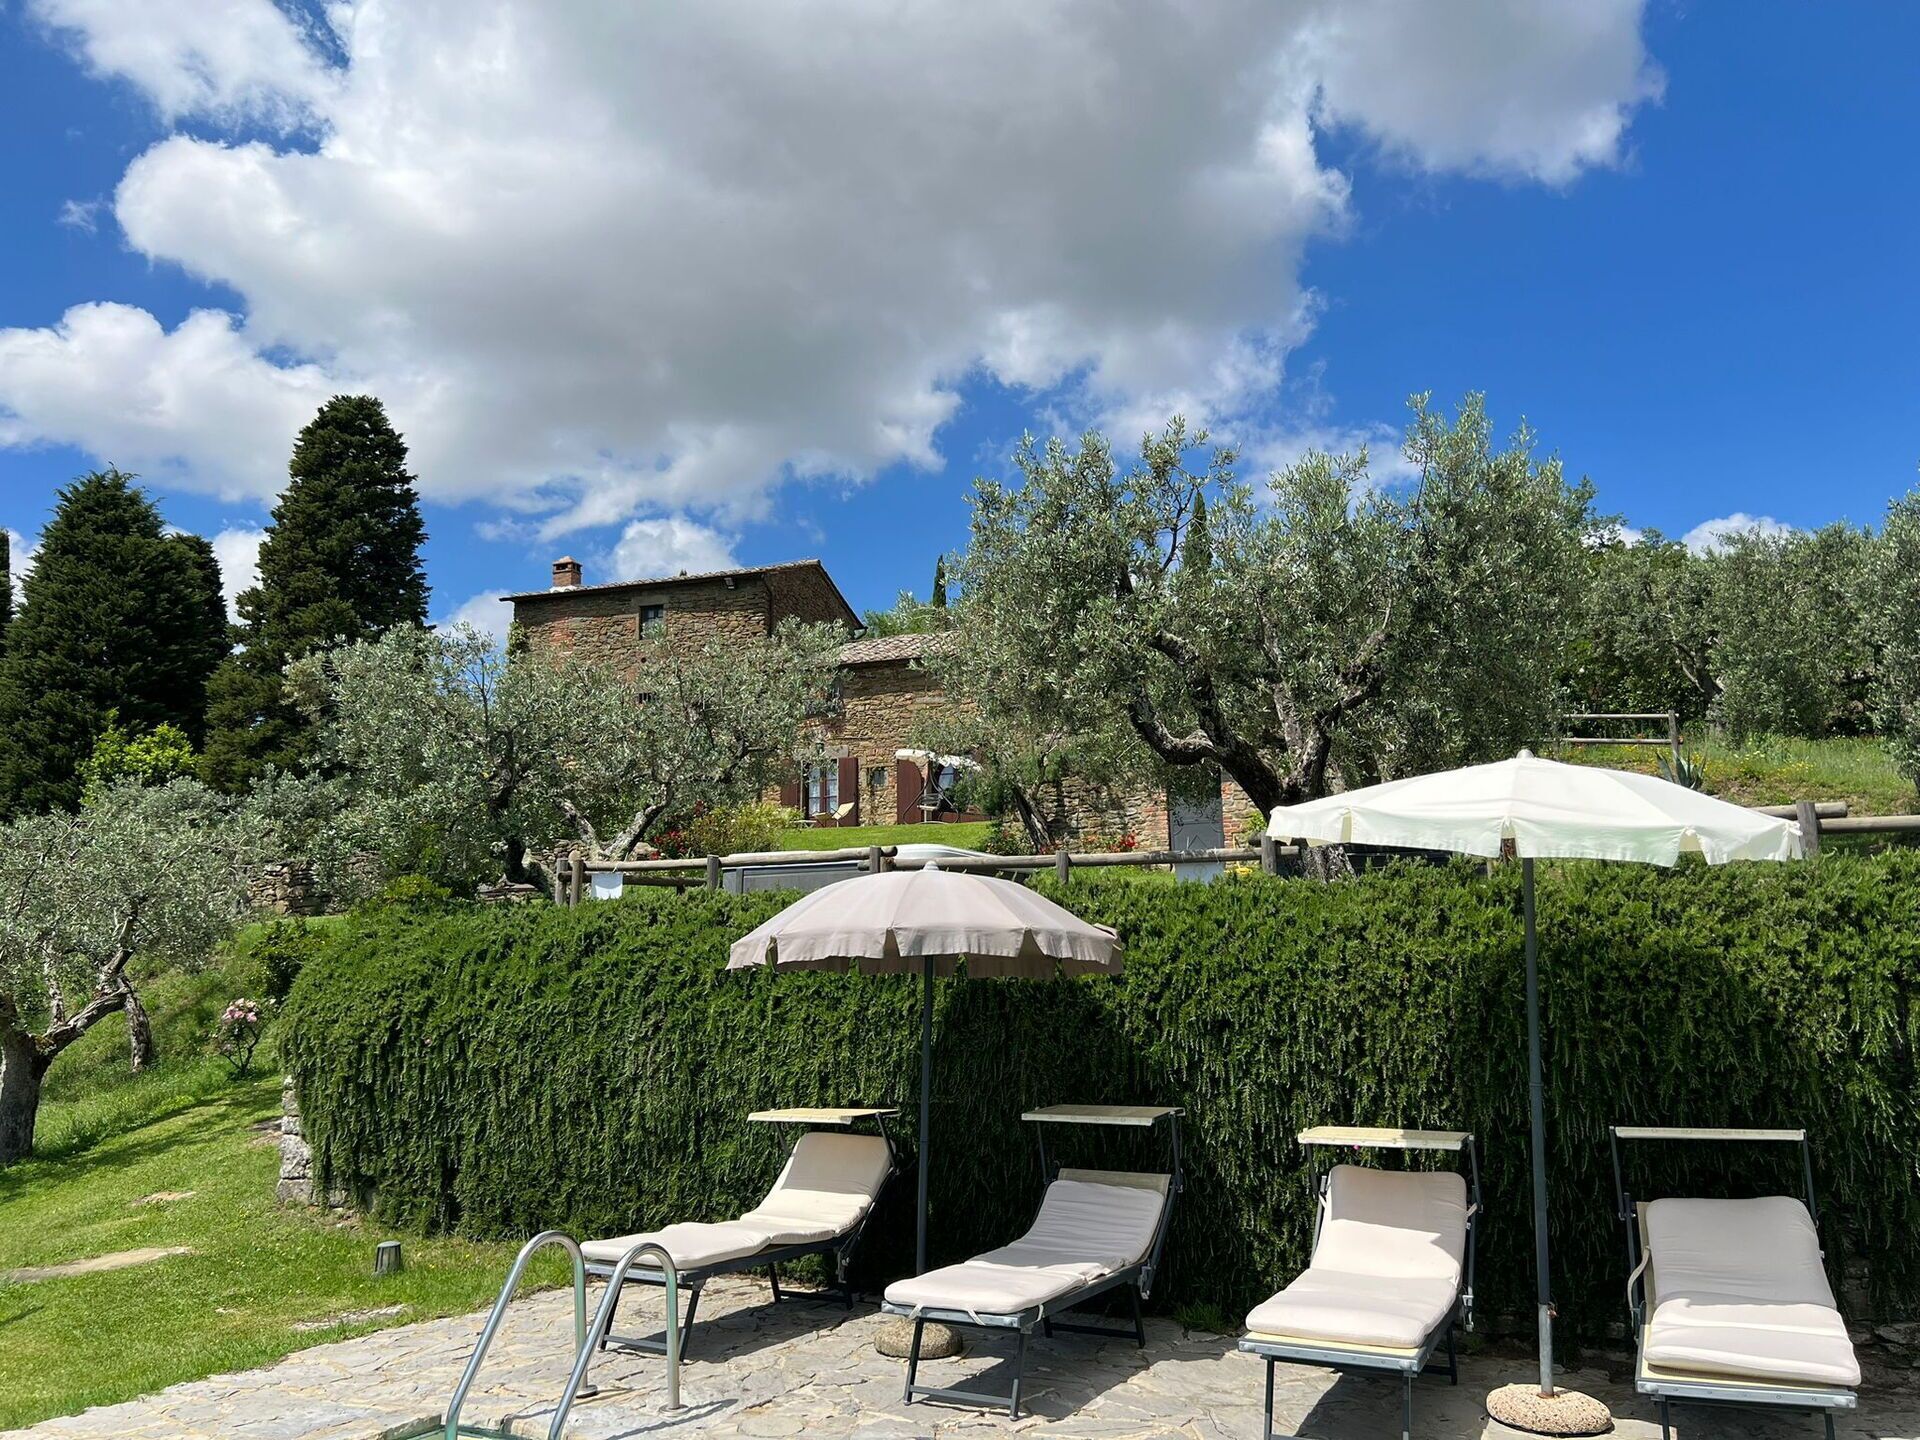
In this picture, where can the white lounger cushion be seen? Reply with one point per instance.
(1739, 1289)
(1386, 1269)
(1084, 1232)
(829, 1183)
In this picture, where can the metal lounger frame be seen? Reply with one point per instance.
(1725, 1390)
(1137, 1278)
(840, 1246)
(1346, 1358)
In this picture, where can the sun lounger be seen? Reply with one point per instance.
(1097, 1231)
(1730, 1299)
(818, 1206)
(1392, 1268)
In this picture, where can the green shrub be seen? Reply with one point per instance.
(492, 1071)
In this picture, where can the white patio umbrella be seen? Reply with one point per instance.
(930, 919)
(1546, 809)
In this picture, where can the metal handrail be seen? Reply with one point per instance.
(603, 1318)
(527, 1251)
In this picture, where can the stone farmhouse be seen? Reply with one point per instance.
(874, 772)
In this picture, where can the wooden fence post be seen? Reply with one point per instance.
(1673, 740)
(579, 886)
(1269, 855)
(1809, 818)
(1062, 865)
(713, 872)
(558, 874)
(876, 862)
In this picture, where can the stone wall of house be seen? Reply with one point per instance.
(881, 707)
(603, 625)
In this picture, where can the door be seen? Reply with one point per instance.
(1196, 824)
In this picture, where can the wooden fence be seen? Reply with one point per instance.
(571, 872)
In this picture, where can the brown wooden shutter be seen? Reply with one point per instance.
(850, 787)
(790, 795)
(906, 792)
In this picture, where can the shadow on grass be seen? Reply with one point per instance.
(113, 1153)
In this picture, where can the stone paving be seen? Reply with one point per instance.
(807, 1368)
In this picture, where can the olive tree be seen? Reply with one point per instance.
(1334, 628)
(154, 871)
(1792, 653)
(1894, 621)
(459, 757)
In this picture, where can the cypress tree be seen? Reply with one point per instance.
(115, 621)
(340, 563)
(6, 586)
(939, 600)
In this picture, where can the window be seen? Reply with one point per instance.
(652, 617)
(823, 788)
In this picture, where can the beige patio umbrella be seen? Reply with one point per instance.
(1549, 809)
(929, 920)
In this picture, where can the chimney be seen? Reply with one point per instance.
(566, 573)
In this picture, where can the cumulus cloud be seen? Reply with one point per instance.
(1711, 534)
(238, 551)
(1510, 87)
(197, 405)
(483, 612)
(609, 261)
(233, 59)
(666, 546)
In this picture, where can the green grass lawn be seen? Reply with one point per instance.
(1779, 771)
(808, 837)
(255, 1272)
(107, 1141)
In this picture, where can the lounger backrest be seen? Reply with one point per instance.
(1764, 1250)
(1092, 1222)
(829, 1178)
(1398, 1223)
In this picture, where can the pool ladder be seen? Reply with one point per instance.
(586, 1338)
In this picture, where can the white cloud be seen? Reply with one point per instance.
(1711, 534)
(197, 405)
(81, 215)
(484, 612)
(1510, 87)
(667, 546)
(20, 556)
(238, 551)
(238, 59)
(608, 261)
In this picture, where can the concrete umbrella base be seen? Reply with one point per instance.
(938, 1342)
(1565, 1412)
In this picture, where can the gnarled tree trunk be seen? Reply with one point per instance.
(22, 1067)
(140, 1051)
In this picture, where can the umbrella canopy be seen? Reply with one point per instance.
(929, 920)
(898, 920)
(1577, 812)
(1546, 808)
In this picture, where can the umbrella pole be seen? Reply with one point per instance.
(1537, 1097)
(926, 1111)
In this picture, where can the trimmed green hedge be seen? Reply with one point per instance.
(493, 1071)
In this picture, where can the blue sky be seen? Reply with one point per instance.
(1686, 257)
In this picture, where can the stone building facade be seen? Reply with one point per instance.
(872, 770)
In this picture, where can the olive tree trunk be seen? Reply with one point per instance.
(22, 1067)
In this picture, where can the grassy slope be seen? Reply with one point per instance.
(967, 837)
(1779, 771)
(256, 1268)
(107, 1139)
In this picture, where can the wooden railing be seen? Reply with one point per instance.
(571, 872)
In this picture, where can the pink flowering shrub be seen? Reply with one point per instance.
(238, 1035)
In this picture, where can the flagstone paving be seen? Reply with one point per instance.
(809, 1369)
